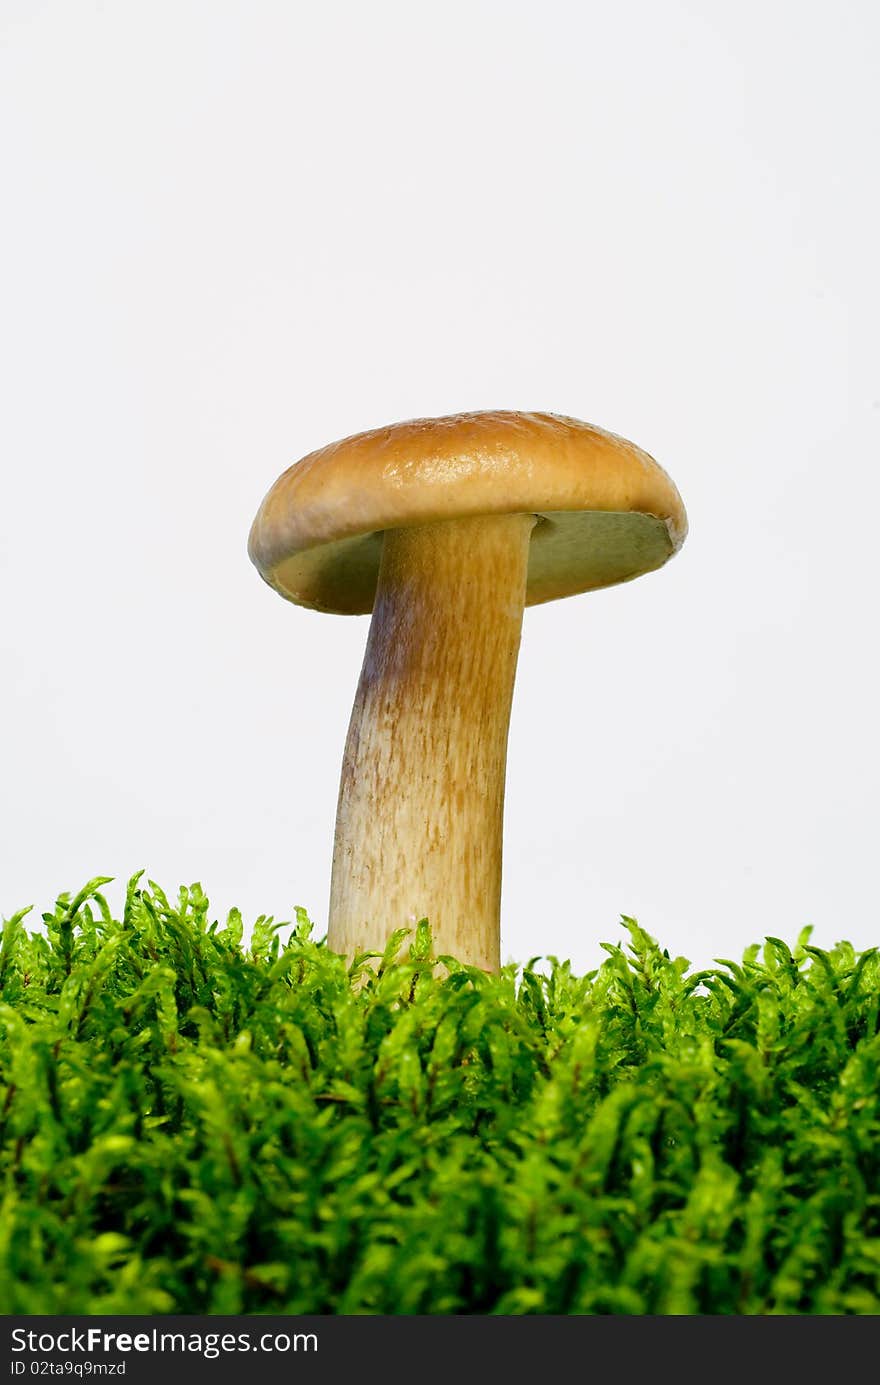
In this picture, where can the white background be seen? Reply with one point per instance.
(233, 232)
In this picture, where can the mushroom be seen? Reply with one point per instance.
(444, 529)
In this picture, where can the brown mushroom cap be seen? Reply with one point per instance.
(607, 511)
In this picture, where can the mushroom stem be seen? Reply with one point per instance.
(421, 799)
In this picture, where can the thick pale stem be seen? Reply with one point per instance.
(421, 801)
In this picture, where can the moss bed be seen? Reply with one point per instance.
(192, 1125)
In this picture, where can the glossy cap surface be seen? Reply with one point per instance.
(607, 512)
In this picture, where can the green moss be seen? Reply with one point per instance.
(189, 1125)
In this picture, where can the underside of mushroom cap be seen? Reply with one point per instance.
(607, 512)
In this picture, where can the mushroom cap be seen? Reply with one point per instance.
(607, 512)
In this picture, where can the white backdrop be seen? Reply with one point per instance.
(236, 231)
